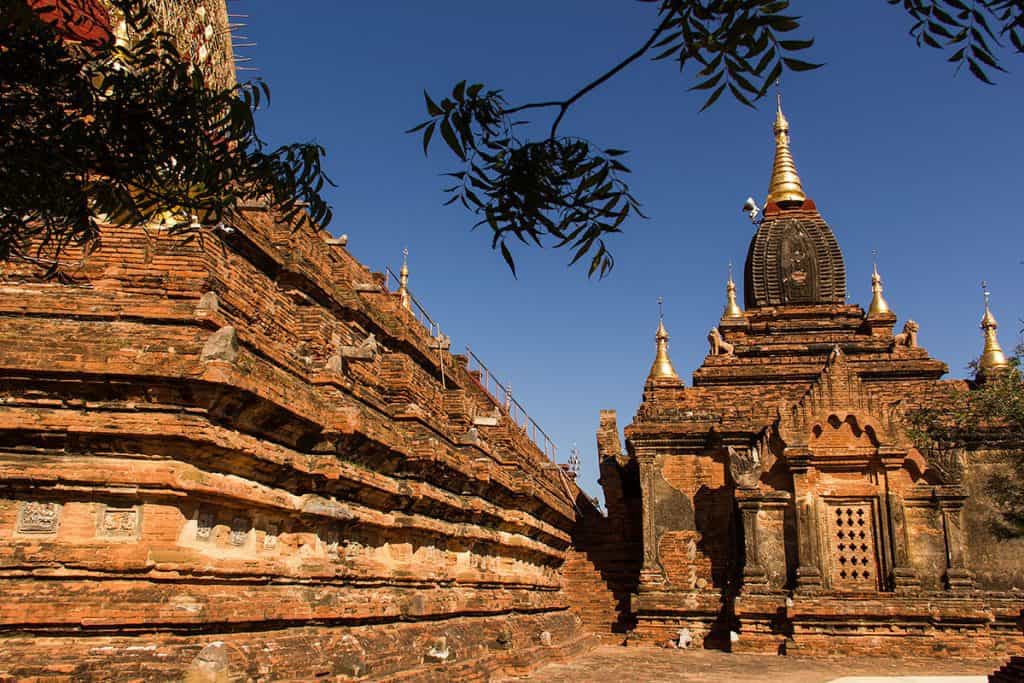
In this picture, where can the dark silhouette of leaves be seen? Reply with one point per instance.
(561, 190)
(96, 132)
(965, 28)
(737, 46)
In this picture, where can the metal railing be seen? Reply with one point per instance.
(415, 306)
(501, 394)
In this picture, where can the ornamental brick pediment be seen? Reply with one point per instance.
(837, 415)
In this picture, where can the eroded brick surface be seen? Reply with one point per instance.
(243, 458)
(780, 505)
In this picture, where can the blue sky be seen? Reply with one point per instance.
(899, 154)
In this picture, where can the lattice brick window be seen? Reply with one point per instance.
(854, 562)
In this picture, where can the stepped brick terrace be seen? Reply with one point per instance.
(247, 457)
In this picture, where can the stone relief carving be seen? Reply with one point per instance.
(222, 345)
(491, 419)
(797, 266)
(38, 518)
(334, 361)
(240, 527)
(368, 349)
(331, 540)
(204, 525)
(948, 463)
(745, 466)
(353, 549)
(908, 337)
(208, 303)
(119, 522)
(719, 347)
(270, 537)
(471, 437)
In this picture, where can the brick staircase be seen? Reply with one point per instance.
(592, 598)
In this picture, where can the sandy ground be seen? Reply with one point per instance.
(612, 664)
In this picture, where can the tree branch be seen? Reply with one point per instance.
(563, 105)
(666, 22)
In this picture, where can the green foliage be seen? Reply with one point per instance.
(130, 135)
(992, 413)
(571, 190)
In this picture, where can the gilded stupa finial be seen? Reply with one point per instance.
(403, 280)
(732, 309)
(878, 302)
(662, 367)
(992, 357)
(785, 184)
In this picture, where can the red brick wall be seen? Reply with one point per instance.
(155, 499)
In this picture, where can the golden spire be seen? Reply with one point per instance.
(878, 302)
(732, 309)
(403, 280)
(992, 357)
(662, 367)
(785, 184)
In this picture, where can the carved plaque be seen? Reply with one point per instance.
(948, 462)
(270, 537)
(204, 525)
(239, 530)
(38, 518)
(798, 268)
(331, 540)
(119, 522)
(352, 549)
(745, 466)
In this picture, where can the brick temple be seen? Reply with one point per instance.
(779, 502)
(250, 457)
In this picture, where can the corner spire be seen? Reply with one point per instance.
(878, 303)
(785, 184)
(732, 309)
(992, 357)
(662, 367)
(403, 280)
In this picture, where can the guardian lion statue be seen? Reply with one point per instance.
(719, 347)
(908, 337)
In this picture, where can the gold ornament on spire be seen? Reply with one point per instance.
(732, 309)
(992, 357)
(878, 302)
(403, 281)
(662, 367)
(785, 184)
